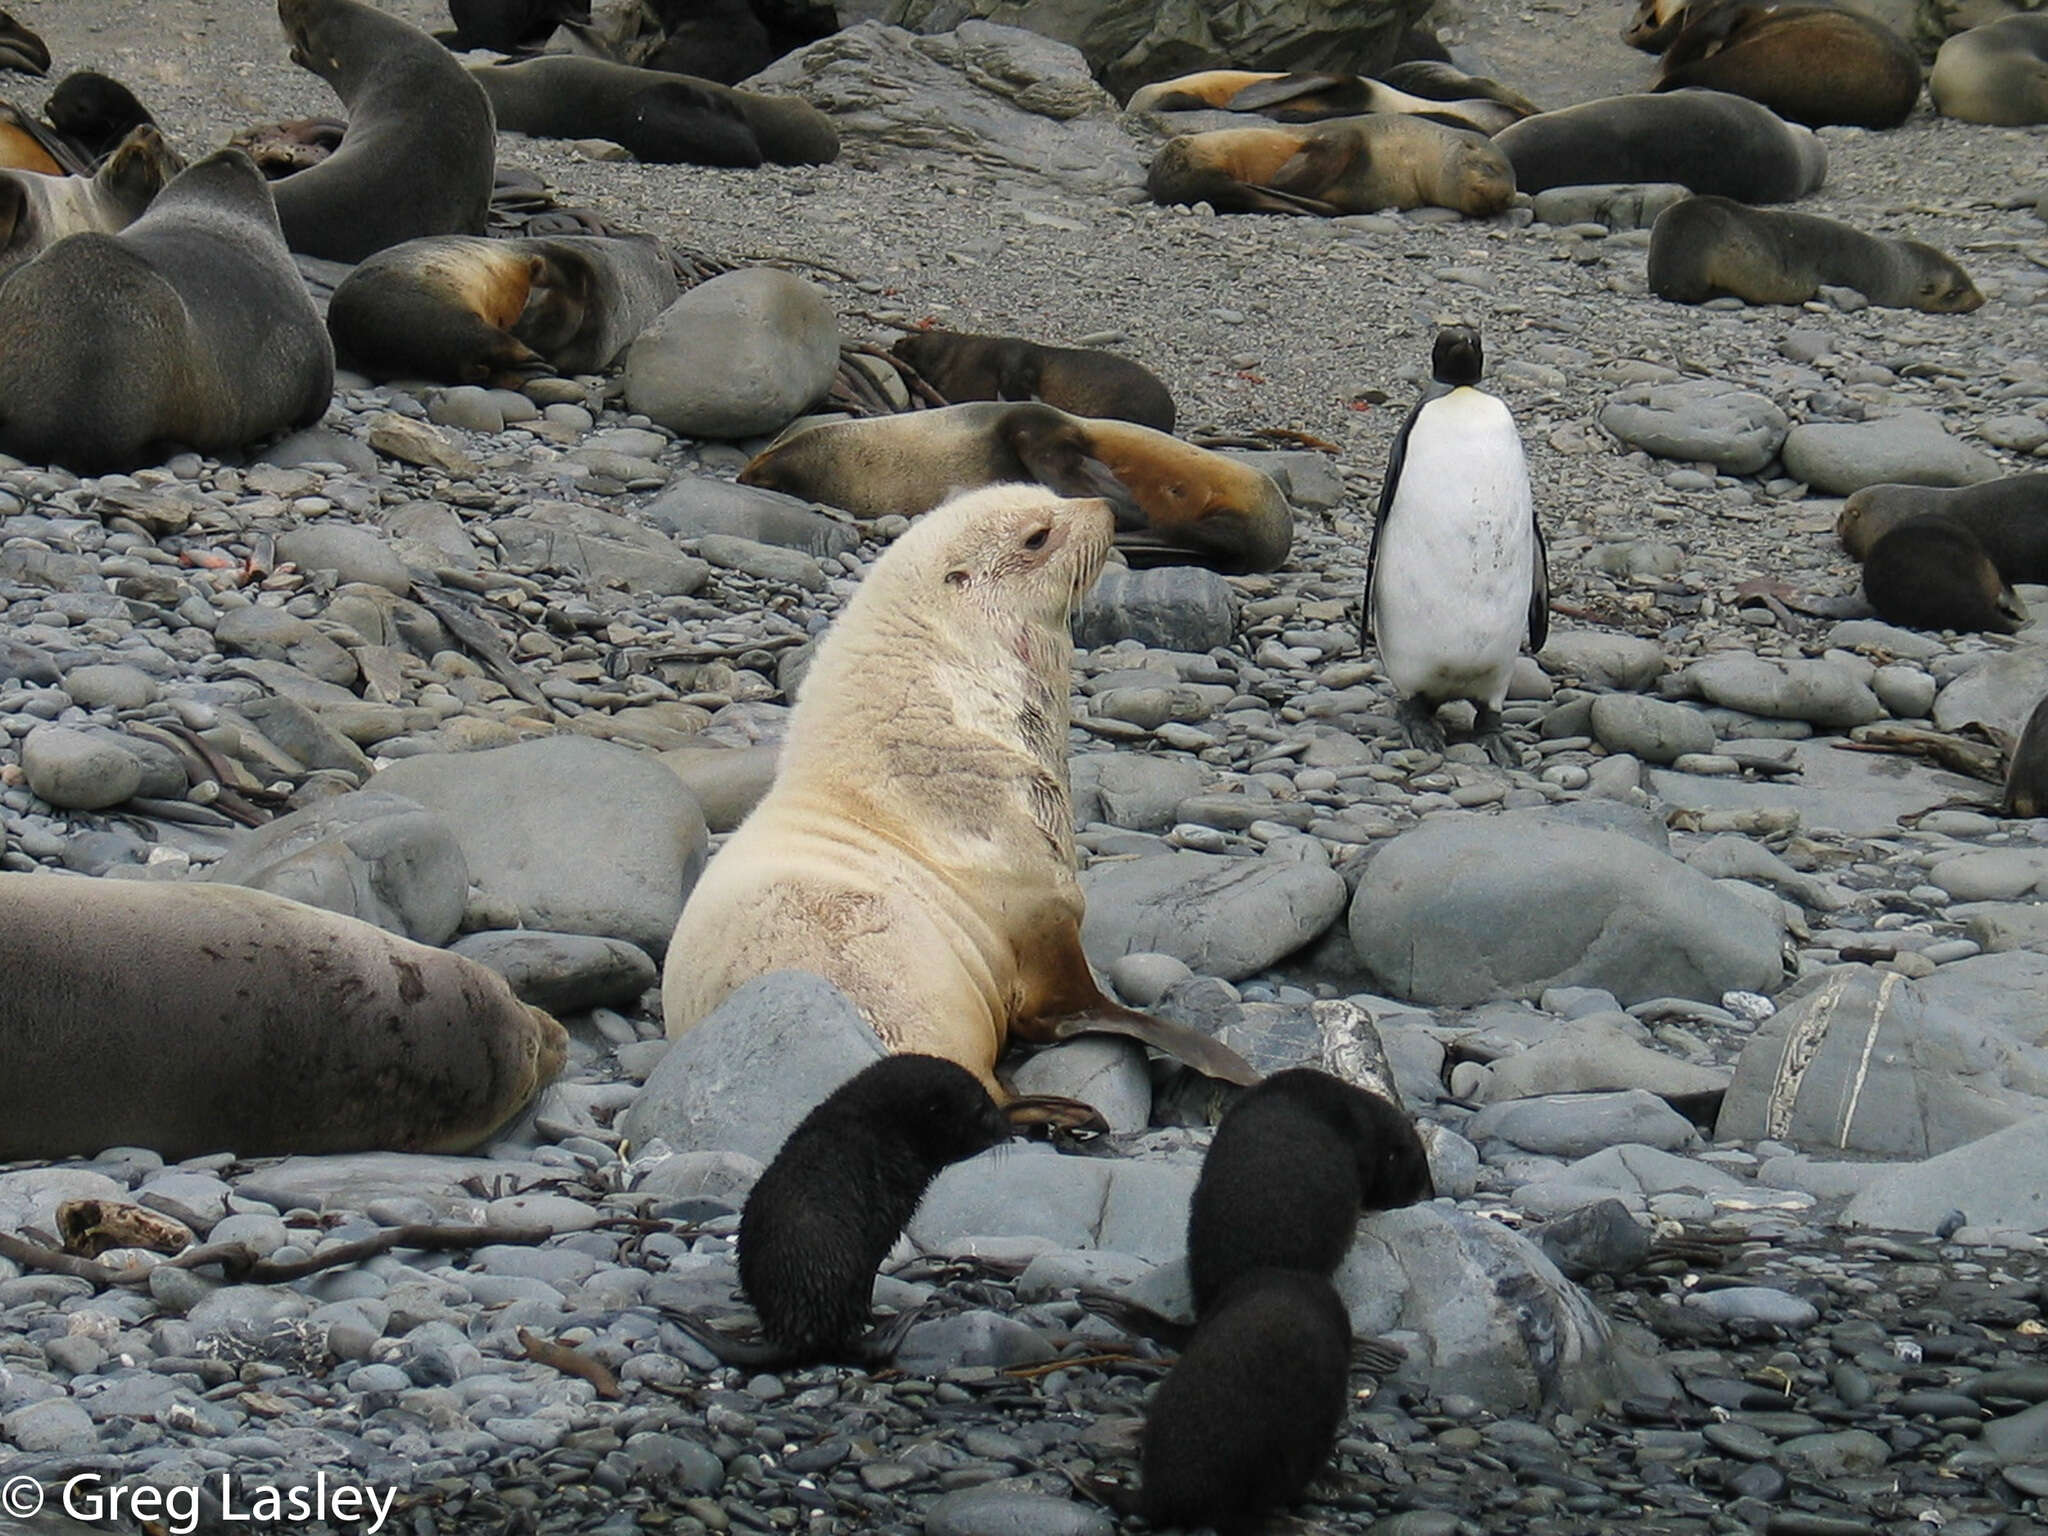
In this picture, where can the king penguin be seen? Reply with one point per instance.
(1456, 577)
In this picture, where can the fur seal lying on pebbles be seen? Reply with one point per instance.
(825, 1213)
(1707, 141)
(1931, 573)
(662, 119)
(1295, 1160)
(1312, 97)
(1996, 73)
(2008, 517)
(418, 155)
(191, 326)
(209, 1018)
(1456, 576)
(467, 310)
(1078, 380)
(96, 111)
(2026, 772)
(1707, 247)
(1346, 165)
(1809, 64)
(38, 211)
(916, 847)
(1174, 502)
(1250, 1412)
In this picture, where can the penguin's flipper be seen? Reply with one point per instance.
(1395, 460)
(1539, 590)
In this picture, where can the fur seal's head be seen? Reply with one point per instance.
(1940, 287)
(1871, 513)
(1015, 550)
(142, 167)
(1478, 180)
(1457, 358)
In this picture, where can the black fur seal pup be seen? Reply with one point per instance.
(1810, 64)
(467, 310)
(1077, 380)
(1931, 573)
(661, 118)
(825, 1213)
(96, 111)
(1707, 141)
(420, 149)
(1707, 247)
(1248, 1416)
(2026, 773)
(1294, 1162)
(510, 26)
(2007, 516)
(190, 326)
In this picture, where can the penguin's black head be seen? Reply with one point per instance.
(1456, 358)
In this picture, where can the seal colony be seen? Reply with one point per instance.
(920, 806)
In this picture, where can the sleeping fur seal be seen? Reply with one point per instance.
(917, 846)
(418, 155)
(1996, 73)
(191, 326)
(1078, 380)
(38, 211)
(1707, 247)
(1931, 573)
(1314, 97)
(207, 1018)
(468, 310)
(1347, 165)
(661, 118)
(1174, 501)
(21, 49)
(2007, 517)
(1809, 64)
(1707, 141)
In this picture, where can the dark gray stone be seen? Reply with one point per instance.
(563, 972)
(1227, 917)
(1173, 607)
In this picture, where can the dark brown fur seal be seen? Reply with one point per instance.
(661, 118)
(2007, 517)
(1707, 247)
(418, 155)
(190, 326)
(1809, 64)
(21, 49)
(207, 1018)
(1078, 380)
(1931, 573)
(1248, 1415)
(1707, 141)
(1173, 501)
(1295, 1160)
(825, 1214)
(2026, 774)
(96, 111)
(510, 26)
(1996, 73)
(38, 211)
(1348, 165)
(468, 310)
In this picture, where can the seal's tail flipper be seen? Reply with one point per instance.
(1206, 1055)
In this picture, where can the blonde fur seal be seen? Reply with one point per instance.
(916, 848)
(1344, 165)
(1173, 500)
(208, 1018)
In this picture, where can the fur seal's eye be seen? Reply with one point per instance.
(956, 578)
(1037, 539)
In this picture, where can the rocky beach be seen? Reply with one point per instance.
(1724, 1014)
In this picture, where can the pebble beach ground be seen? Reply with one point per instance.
(1803, 1340)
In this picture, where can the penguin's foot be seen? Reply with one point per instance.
(1492, 736)
(1418, 725)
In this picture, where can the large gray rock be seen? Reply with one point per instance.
(1600, 659)
(739, 356)
(351, 552)
(1130, 44)
(692, 506)
(602, 548)
(1483, 1311)
(1823, 693)
(1653, 730)
(1136, 790)
(1009, 102)
(1995, 1182)
(1173, 607)
(1911, 448)
(1734, 429)
(371, 854)
(563, 973)
(2000, 692)
(1466, 908)
(1862, 794)
(752, 1068)
(79, 770)
(1223, 916)
(726, 782)
(1866, 1061)
(567, 834)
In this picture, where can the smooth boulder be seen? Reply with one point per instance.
(739, 356)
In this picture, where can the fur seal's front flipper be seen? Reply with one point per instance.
(1311, 95)
(1055, 1115)
(1056, 455)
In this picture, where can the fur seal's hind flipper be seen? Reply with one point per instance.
(1206, 1055)
(32, 145)
(1137, 1319)
(1307, 96)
